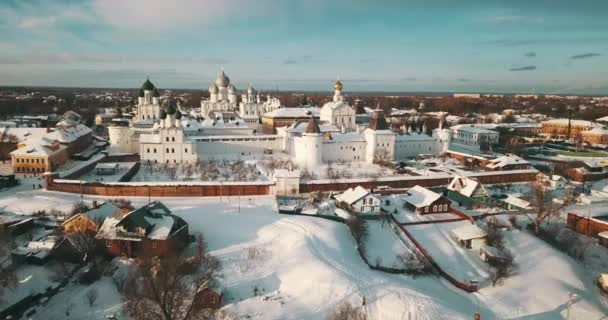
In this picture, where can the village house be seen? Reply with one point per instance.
(508, 162)
(150, 230)
(424, 201)
(360, 200)
(470, 236)
(467, 192)
(90, 220)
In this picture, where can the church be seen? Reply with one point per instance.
(163, 133)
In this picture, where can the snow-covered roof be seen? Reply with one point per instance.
(596, 130)
(300, 112)
(161, 226)
(351, 195)
(573, 122)
(603, 234)
(602, 119)
(517, 202)
(284, 173)
(103, 211)
(414, 137)
(464, 186)
(468, 232)
(38, 147)
(346, 137)
(301, 126)
(506, 160)
(421, 197)
(472, 129)
(107, 166)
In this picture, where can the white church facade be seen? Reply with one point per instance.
(170, 135)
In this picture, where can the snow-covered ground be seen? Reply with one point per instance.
(459, 262)
(383, 246)
(303, 266)
(123, 168)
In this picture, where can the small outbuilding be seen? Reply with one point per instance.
(424, 201)
(107, 169)
(470, 236)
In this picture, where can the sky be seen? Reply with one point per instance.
(538, 46)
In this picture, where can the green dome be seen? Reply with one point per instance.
(141, 93)
(155, 93)
(147, 85)
(163, 114)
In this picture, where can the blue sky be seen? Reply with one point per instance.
(550, 46)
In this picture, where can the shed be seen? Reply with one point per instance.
(107, 168)
(360, 200)
(470, 236)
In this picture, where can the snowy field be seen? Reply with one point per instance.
(303, 266)
(383, 246)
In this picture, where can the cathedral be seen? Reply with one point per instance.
(162, 133)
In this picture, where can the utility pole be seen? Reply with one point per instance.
(570, 296)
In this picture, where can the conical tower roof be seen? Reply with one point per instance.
(378, 122)
(312, 126)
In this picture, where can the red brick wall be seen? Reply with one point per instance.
(101, 189)
(585, 225)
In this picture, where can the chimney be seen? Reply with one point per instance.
(95, 204)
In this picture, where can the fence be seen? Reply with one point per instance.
(464, 286)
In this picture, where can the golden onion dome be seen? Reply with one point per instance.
(338, 85)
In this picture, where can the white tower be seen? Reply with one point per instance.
(309, 147)
(380, 141)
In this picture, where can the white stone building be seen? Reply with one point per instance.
(338, 112)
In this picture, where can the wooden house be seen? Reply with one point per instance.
(468, 193)
(150, 230)
(424, 201)
(90, 220)
(360, 200)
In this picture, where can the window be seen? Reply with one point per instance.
(167, 150)
(108, 243)
(186, 150)
(154, 150)
(426, 209)
(154, 244)
(173, 139)
(148, 150)
(172, 150)
(445, 207)
(167, 139)
(435, 208)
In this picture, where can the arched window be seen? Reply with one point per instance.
(173, 139)
(148, 150)
(445, 207)
(167, 139)
(154, 150)
(172, 150)
(435, 208)
(167, 150)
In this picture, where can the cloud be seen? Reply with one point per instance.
(37, 22)
(517, 18)
(530, 54)
(585, 55)
(524, 68)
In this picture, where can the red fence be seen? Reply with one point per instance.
(464, 286)
(157, 190)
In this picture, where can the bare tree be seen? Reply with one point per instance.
(543, 205)
(91, 296)
(170, 287)
(504, 267)
(346, 311)
(8, 279)
(123, 204)
(358, 228)
(382, 157)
